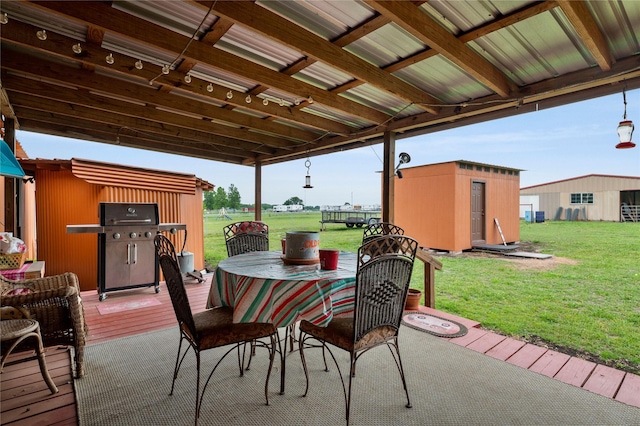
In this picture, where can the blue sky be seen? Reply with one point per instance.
(548, 145)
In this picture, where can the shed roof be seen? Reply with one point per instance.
(108, 174)
(583, 177)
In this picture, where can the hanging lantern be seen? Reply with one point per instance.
(625, 128)
(307, 179)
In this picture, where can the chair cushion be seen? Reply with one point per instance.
(339, 333)
(216, 328)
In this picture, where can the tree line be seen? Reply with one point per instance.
(230, 199)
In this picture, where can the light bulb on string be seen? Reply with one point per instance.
(248, 99)
(165, 69)
(110, 59)
(42, 35)
(187, 78)
(4, 18)
(229, 94)
(77, 48)
(138, 64)
(265, 102)
(210, 88)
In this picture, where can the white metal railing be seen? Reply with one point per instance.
(629, 213)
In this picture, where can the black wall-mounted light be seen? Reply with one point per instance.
(404, 159)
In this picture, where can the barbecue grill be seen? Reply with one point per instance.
(126, 254)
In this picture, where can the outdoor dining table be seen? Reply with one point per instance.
(262, 287)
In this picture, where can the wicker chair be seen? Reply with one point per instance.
(382, 282)
(378, 229)
(55, 303)
(245, 237)
(212, 328)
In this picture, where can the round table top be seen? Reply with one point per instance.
(269, 265)
(12, 329)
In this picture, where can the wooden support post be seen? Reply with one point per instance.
(430, 266)
(258, 191)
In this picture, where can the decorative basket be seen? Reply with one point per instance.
(12, 260)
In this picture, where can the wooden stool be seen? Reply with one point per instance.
(18, 330)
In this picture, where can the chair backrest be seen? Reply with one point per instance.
(383, 276)
(175, 284)
(245, 237)
(375, 230)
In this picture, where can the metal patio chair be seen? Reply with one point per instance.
(375, 230)
(212, 328)
(382, 283)
(245, 237)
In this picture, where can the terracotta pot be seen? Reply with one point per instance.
(413, 300)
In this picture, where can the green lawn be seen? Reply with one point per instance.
(590, 302)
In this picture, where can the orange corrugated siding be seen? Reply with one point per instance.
(433, 204)
(64, 199)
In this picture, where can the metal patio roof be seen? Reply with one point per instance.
(273, 81)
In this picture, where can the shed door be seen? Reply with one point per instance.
(477, 213)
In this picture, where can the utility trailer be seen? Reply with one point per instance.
(351, 218)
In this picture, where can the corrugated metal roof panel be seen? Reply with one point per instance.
(618, 21)
(327, 18)
(386, 45)
(369, 95)
(106, 174)
(443, 80)
(322, 75)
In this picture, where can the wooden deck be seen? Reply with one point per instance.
(26, 399)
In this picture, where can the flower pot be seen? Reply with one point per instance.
(413, 300)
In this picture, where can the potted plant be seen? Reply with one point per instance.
(413, 300)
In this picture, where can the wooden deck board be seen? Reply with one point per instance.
(505, 349)
(26, 399)
(575, 372)
(604, 381)
(550, 363)
(629, 392)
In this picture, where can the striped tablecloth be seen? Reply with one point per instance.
(261, 288)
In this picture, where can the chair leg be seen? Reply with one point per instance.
(43, 363)
(272, 356)
(198, 398)
(398, 361)
(304, 362)
(178, 363)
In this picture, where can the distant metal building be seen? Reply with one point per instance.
(591, 197)
(457, 205)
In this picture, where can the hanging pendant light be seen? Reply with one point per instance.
(307, 179)
(625, 128)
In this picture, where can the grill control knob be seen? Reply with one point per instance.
(116, 235)
(147, 234)
(133, 235)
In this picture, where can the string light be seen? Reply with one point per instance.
(296, 102)
(138, 64)
(248, 99)
(42, 35)
(281, 102)
(4, 18)
(110, 60)
(187, 78)
(229, 94)
(165, 69)
(210, 88)
(310, 99)
(77, 49)
(265, 102)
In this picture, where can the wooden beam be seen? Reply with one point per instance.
(413, 20)
(388, 177)
(155, 36)
(275, 27)
(588, 31)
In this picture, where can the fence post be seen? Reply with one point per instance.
(430, 266)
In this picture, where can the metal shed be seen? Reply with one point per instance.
(456, 205)
(593, 197)
(69, 192)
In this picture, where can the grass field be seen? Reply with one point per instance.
(586, 298)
